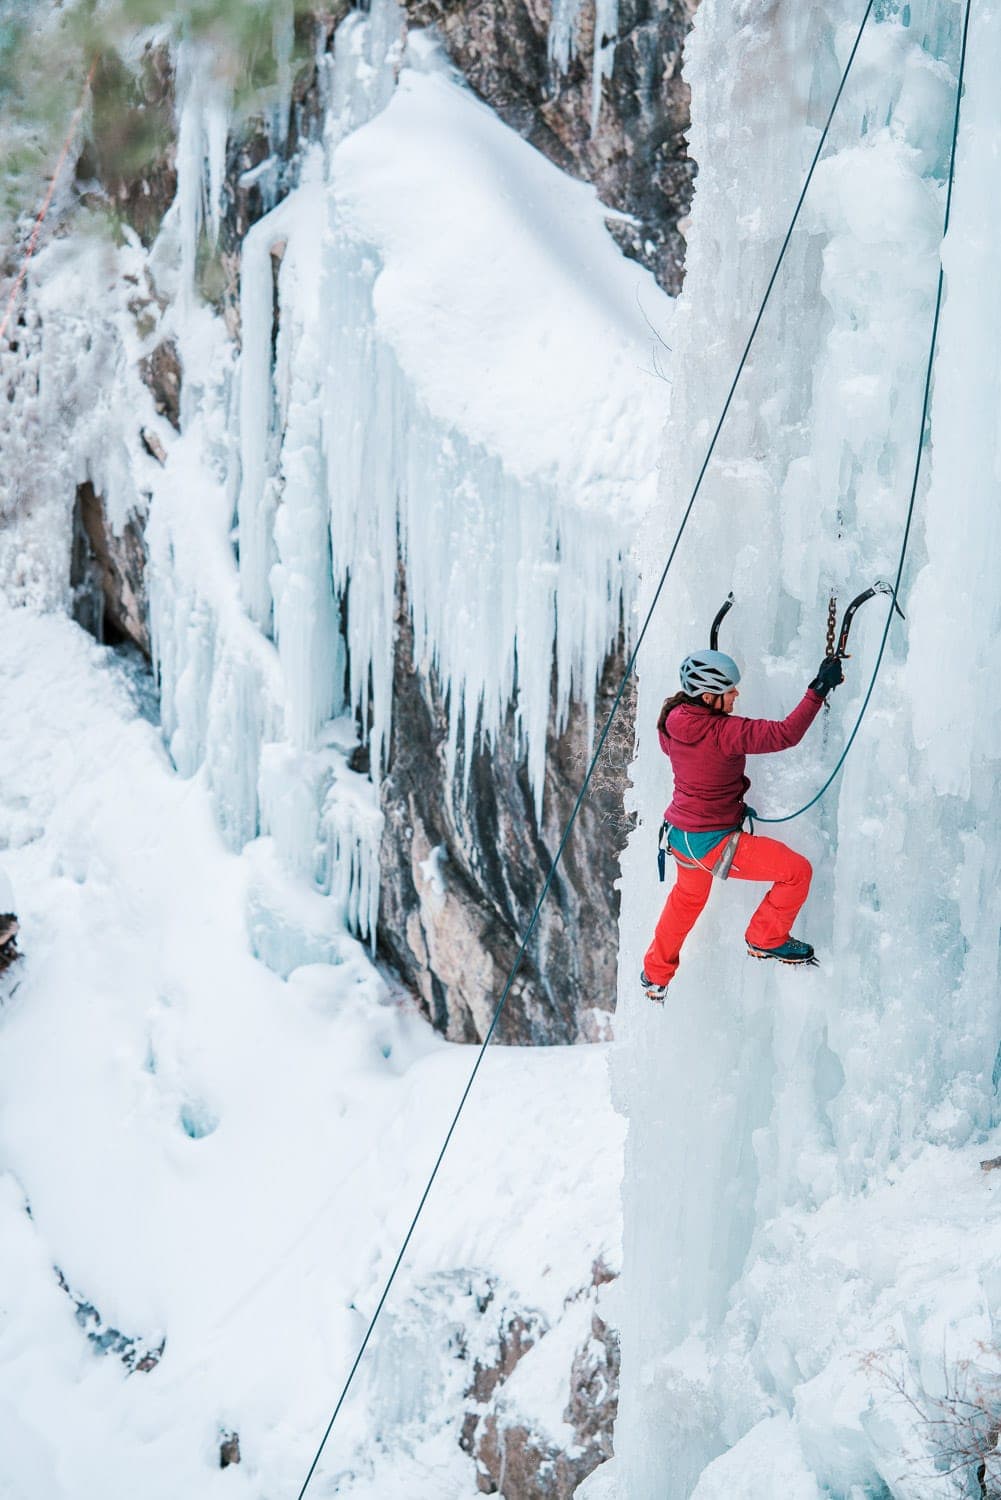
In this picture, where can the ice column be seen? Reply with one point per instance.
(500, 573)
(202, 126)
(247, 639)
(759, 1091)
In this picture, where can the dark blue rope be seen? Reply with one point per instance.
(788, 817)
(630, 665)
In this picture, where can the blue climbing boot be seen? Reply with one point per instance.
(792, 951)
(654, 992)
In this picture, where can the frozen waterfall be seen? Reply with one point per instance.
(769, 1111)
(380, 458)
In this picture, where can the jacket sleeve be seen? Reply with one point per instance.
(737, 736)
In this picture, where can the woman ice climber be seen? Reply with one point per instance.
(707, 745)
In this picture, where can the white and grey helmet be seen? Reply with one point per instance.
(708, 672)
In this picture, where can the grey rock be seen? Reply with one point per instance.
(128, 164)
(512, 1458)
(161, 372)
(108, 574)
(229, 1448)
(138, 1355)
(455, 940)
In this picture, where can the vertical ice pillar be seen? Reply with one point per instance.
(202, 127)
(307, 627)
(258, 498)
(367, 58)
(756, 1090)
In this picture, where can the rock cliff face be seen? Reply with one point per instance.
(108, 575)
(514, 1456)
(460, 872)
(635, 155)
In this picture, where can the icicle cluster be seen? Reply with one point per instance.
(443, 399)
(362, 469)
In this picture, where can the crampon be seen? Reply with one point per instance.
(792, 951)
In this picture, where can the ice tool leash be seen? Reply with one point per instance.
(593, 763)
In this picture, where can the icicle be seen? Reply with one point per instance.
(564, 27)
(216, 135)
(202, 133)
(258, 487)
(307, 627)
(367, 54)
(563, 33)
(606, 21)
(190, 195)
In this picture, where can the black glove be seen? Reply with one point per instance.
(829, 676)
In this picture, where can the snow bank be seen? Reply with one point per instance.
(225, 1162)
(476, 231)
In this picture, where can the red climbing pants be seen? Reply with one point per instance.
(757, 858)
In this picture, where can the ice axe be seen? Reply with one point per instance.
(841, 650)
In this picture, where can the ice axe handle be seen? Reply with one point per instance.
(714, 631)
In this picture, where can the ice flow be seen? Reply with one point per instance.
(766, 1109)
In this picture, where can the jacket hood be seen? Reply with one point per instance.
(689, 724)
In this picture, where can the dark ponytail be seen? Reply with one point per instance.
(676, 700)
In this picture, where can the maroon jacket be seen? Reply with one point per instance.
(707, 753)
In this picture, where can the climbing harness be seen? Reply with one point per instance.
(628, 672)
(720, 867)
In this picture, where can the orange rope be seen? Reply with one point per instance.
(36, 231)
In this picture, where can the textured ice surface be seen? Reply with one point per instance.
(771, 1112)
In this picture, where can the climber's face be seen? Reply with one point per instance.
(725, 701)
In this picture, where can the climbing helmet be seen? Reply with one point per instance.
(709, 672)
